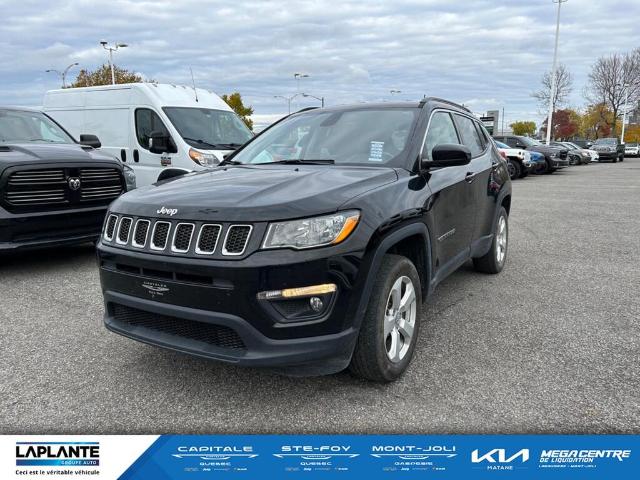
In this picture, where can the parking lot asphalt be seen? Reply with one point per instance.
(551, 345)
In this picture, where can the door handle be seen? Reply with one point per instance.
(470, 177)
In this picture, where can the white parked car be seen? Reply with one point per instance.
(518, 160)
(160, 130)
(632, 150)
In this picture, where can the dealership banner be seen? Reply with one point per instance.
(168, 457)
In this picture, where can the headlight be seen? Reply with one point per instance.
(311, 232)
(129, 177)
(204, 159)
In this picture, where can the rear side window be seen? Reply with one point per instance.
(470, 136)
(148, 121)
(441, 130)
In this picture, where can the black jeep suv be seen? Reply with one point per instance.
(53, 191)
(313, 246)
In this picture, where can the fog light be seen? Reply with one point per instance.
(316, 304)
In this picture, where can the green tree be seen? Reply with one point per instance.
(235, 102)
(523, 127)
(102, 76)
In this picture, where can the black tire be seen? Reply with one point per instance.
(370, 359)
(524, 173)
(549, 167)
(614, 159)
(622, 158)
(489, 262)
(514, 168)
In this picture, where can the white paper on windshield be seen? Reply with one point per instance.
(375, 151)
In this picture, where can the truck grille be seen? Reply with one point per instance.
(57, 188)
(217, 335)
(178, 237)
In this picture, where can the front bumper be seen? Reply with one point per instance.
(23, 231)
(607, 155)
(210, 308)
(558, 162)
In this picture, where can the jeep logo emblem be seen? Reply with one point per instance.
(74, 183)
(167, 211)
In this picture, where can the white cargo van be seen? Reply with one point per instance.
(157, 129)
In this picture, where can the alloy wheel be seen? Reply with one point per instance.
(501, 240)
(400, 319)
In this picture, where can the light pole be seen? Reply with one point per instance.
(112, 49)
(624, 111)
(321, 99)
(288, 99)
(553, 72)
(298, 76)
(63, 74)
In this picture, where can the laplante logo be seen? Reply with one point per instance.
(167, 211)
(58, 454)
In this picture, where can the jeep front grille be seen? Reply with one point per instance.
(189, 238)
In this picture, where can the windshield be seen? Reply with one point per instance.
(529, 142)
(208, 129)
(606, 141)
(572, 145)
(363, 137)
(26, 127)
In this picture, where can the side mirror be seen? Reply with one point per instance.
(158, 142)
(448, 155)
(90, 140)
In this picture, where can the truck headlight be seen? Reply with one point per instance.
(204, 159)
(129, 177)
(311, 232)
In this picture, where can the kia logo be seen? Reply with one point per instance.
(499, 455)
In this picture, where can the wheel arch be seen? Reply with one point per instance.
(410, 240)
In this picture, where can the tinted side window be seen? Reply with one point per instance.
(470, 137)
(484, 135)
(148, 121)
(511, 141)
(441, 130)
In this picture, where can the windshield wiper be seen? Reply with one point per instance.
(229, 162)
(230, 146)
(201, 142)
(302, 161)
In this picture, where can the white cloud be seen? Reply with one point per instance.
(487, 54)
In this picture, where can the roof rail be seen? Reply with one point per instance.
(442, 100)
(306, 109)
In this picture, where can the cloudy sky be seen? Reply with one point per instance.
(486, 54)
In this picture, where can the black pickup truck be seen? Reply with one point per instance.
(53, 190)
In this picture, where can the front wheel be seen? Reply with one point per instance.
(514, 169)
(390, 326)
(493, 261)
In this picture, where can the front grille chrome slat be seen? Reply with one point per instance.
(140, 233)
(160, 235)
(124, 230)
(110, 227)
(236, 240)
(182, 235)
(208, 237)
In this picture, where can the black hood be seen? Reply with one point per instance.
(547, 149)
(255, 193)
(47, 153)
